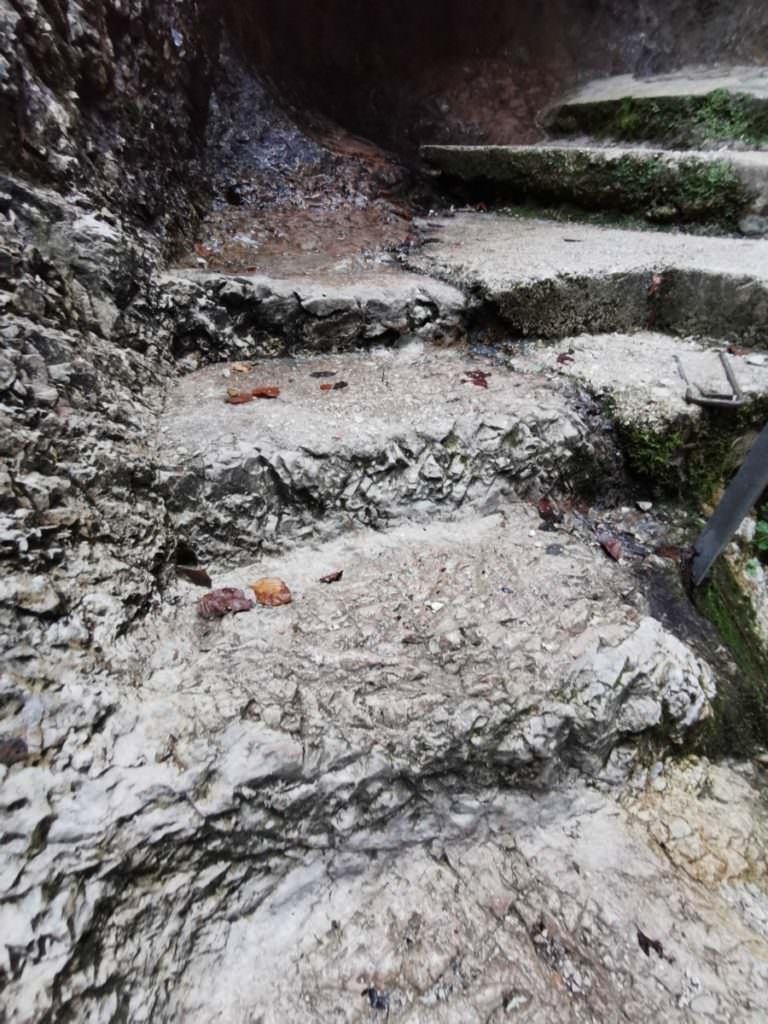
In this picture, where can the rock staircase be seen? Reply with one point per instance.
(464, 780)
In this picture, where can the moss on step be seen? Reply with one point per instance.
(653, 186)
(691, 458)
(690, 121)
(740, 721)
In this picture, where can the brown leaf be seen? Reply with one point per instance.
(221, 602)
(668, 551)
(610, 545)
(564, 358)
(332, 577)
(340, 385)
(194, 574)
(13, 749)
(326, 387)
(271, 592)
(242, 367)
(239, 397)
(265, 392)
(549, 511)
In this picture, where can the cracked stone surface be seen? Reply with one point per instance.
(409, 435)
(552, 280)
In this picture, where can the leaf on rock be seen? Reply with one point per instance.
(271, 592)
(611, 546)
(221, 602)
(670, 551)
(564, 357)
(647, 944)
(340, 385)
(194, 574)
(238, 397)
(477, 377)
(326, 387)
(265, 392)
(332, 577)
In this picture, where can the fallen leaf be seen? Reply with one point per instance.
(242, 367)
(194, 574)
(564, 358)
(323, 373)
(340, 385)
(477, 377)
(548, 511)
(332, 577)
(326, 387)
(610, 545)
(12, 750)
(271, 592)
(647, 944)
(668, 551)
(239, 397)
(265, 392)
(221, 602)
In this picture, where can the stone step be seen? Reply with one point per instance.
(546, 279)
(642, 379)
(215, 316)
(728, 190)
(397, 433)
(687, 108)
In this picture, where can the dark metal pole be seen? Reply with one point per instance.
(741, 494)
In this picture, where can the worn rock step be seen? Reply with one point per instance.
(726, 189)
(551, 280)
(643, 379)
(408, 435)
(688, 108)
(212, 316)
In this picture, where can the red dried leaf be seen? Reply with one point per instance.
(271, 592)
(477, 377)
(611, 546)
(332, 577)
(549, 511)
(194, 574)
(265, 392)
(221, 602)
(239, 398)
(668, 551)
(326, 387)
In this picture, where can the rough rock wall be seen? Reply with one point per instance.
(103, 112)
(406, 73)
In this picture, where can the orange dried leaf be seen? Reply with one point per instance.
(265, 392)
(326, 387)
(271, 592)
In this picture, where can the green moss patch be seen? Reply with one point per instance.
(685, 121)
(740, 721)
(654, 187)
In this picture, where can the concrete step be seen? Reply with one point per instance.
(688, 108)
(215, 316)
(408, 435)
(545, 279)
(725, 189)
(642, 379)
